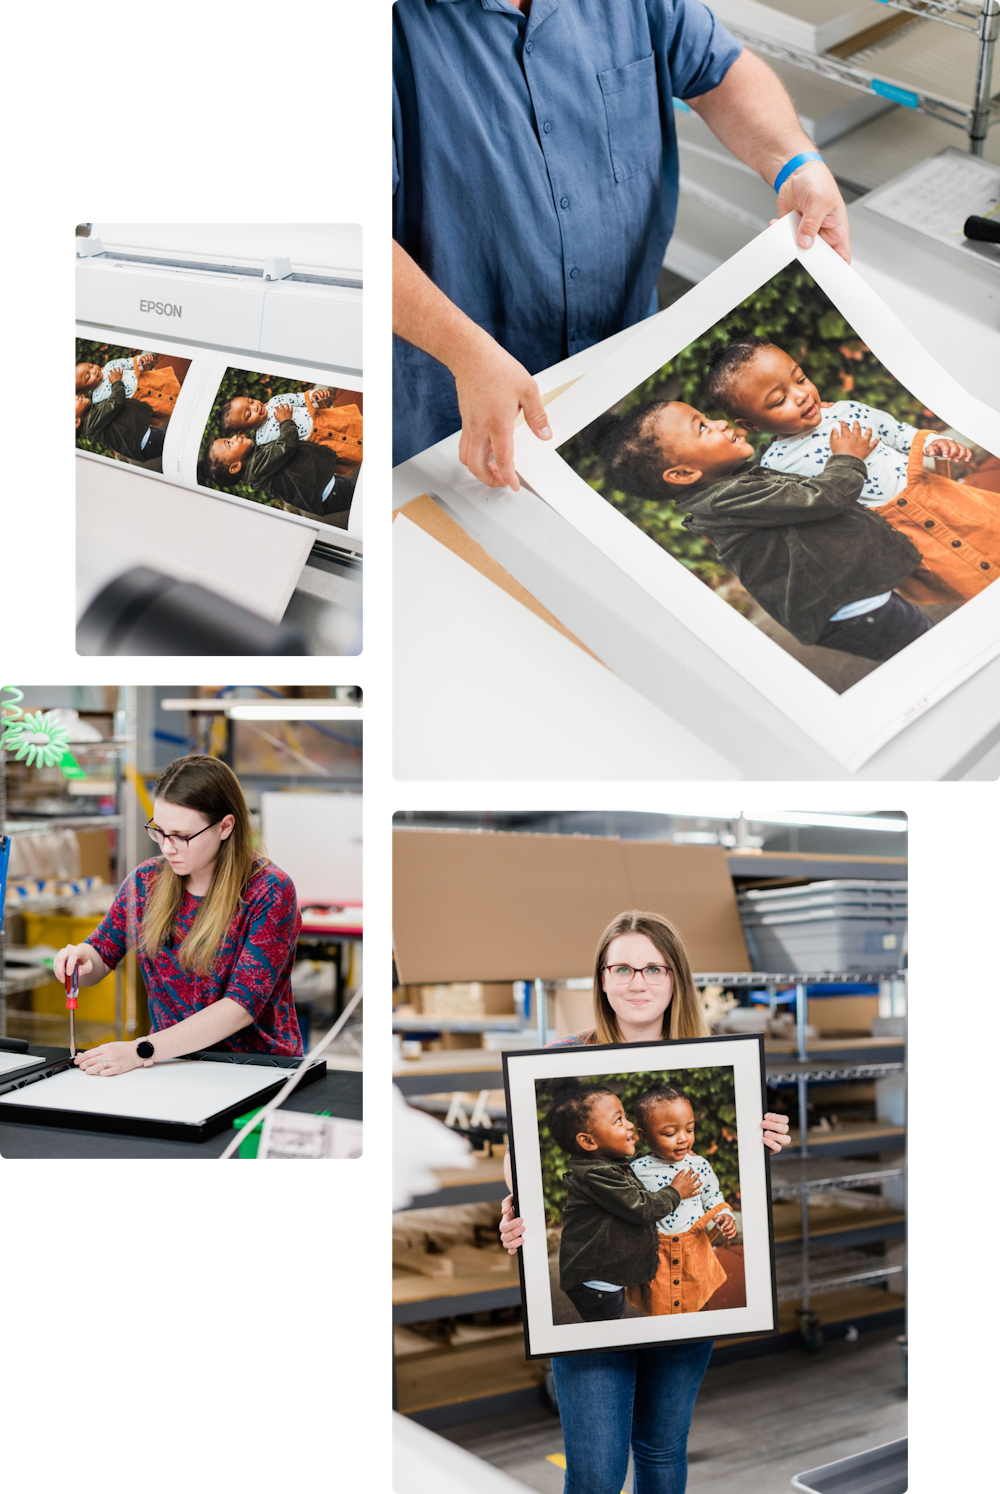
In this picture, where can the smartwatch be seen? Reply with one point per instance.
(145, 1051)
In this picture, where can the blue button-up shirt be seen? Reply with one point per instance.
(535, 171)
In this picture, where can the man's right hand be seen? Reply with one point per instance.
(511, 1229)
(687, 1183)
(492, 390)
(72, 956)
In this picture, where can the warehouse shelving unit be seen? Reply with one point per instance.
(820, 1163)
(982, 21)
(120, 748)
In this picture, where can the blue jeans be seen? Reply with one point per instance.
(641, 1396)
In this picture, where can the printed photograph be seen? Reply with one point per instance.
(777, 459)
(640, 1175)
(124, 400)
(285, 443)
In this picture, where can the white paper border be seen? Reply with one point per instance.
(186, 425)
(852, 726)
(546, 1337)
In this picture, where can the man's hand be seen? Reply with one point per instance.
(114, 375)
(511, 1229)
(493, 388)
(813, 192)
(282, 412)
(687, 1183)
(851, 440)
(775, 1129)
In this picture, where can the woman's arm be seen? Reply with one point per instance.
(201, 1030)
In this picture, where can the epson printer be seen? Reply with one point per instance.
(168, 560)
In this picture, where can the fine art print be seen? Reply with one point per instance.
(782, 466)
(124, 400)
(645, 1222)
(287, 443)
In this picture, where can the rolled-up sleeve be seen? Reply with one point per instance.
(698, 49)
(268, 947)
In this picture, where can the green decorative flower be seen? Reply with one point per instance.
(35, 737)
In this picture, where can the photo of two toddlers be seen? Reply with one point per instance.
(642, 1193)
(781, 462)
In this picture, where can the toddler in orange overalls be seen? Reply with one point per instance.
(955, 526)
(338, 427)
(143, 378)
(688, 1272)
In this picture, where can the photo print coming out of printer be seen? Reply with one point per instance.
(287, 443)
(124, 400)
(779, 461)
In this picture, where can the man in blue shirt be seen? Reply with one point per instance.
(535, 188)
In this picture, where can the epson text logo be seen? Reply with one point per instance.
(161, 308)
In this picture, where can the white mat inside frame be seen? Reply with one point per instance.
(185, 1091)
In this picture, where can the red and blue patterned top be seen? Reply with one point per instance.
(252, 967)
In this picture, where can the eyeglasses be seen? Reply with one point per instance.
(653, 975)
(155, 833)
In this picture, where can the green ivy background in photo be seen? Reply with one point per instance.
(262, 386)
(88, 351)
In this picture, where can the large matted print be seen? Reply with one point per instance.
(647, 1220)
(782, 466)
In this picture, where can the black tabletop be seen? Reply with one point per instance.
(339, 1092)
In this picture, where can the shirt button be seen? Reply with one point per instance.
(529, 46)
(676, 1282)
(564, 202)
(547, 126)
(573, 274)
(677, 1304)
(955, 544)
(901, 502)
(928, 523)
(984, 565)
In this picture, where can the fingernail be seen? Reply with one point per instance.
(545, 433)
(806, 241)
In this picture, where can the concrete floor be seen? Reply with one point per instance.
(757, 1423)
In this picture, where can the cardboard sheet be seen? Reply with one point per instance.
(484, 906)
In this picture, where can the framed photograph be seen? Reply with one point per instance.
(643, 1181)
(853, 597)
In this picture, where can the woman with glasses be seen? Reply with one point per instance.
(639, 1398)
(213, 924)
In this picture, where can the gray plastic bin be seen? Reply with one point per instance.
(851, 926)
(881, 1470)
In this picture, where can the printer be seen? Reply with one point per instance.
(218, 439)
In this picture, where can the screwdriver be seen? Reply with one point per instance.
(72, 991)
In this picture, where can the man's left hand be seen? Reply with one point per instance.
(813, 192)
(775, 1131)
(108, 1059)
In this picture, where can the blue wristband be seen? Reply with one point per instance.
(793, 165)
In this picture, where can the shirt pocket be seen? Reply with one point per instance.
(632, 105)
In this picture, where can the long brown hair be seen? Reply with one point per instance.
(684, 1017)
(209, 786)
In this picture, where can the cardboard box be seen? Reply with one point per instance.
(848, 1015)
(463, 999)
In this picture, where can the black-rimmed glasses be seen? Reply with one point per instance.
(155, 833)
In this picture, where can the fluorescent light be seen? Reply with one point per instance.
(292, 710)
(893, 824)
(269, 710)
(830, 821)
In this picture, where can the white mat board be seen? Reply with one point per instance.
(252, 555)
(485, 689)
(316, 839)
(184, 1091)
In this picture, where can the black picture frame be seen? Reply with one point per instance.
(745, 1054)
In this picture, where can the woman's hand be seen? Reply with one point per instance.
(776, 1131)
(108, 1059)
(511, 1229)
(72, 957)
